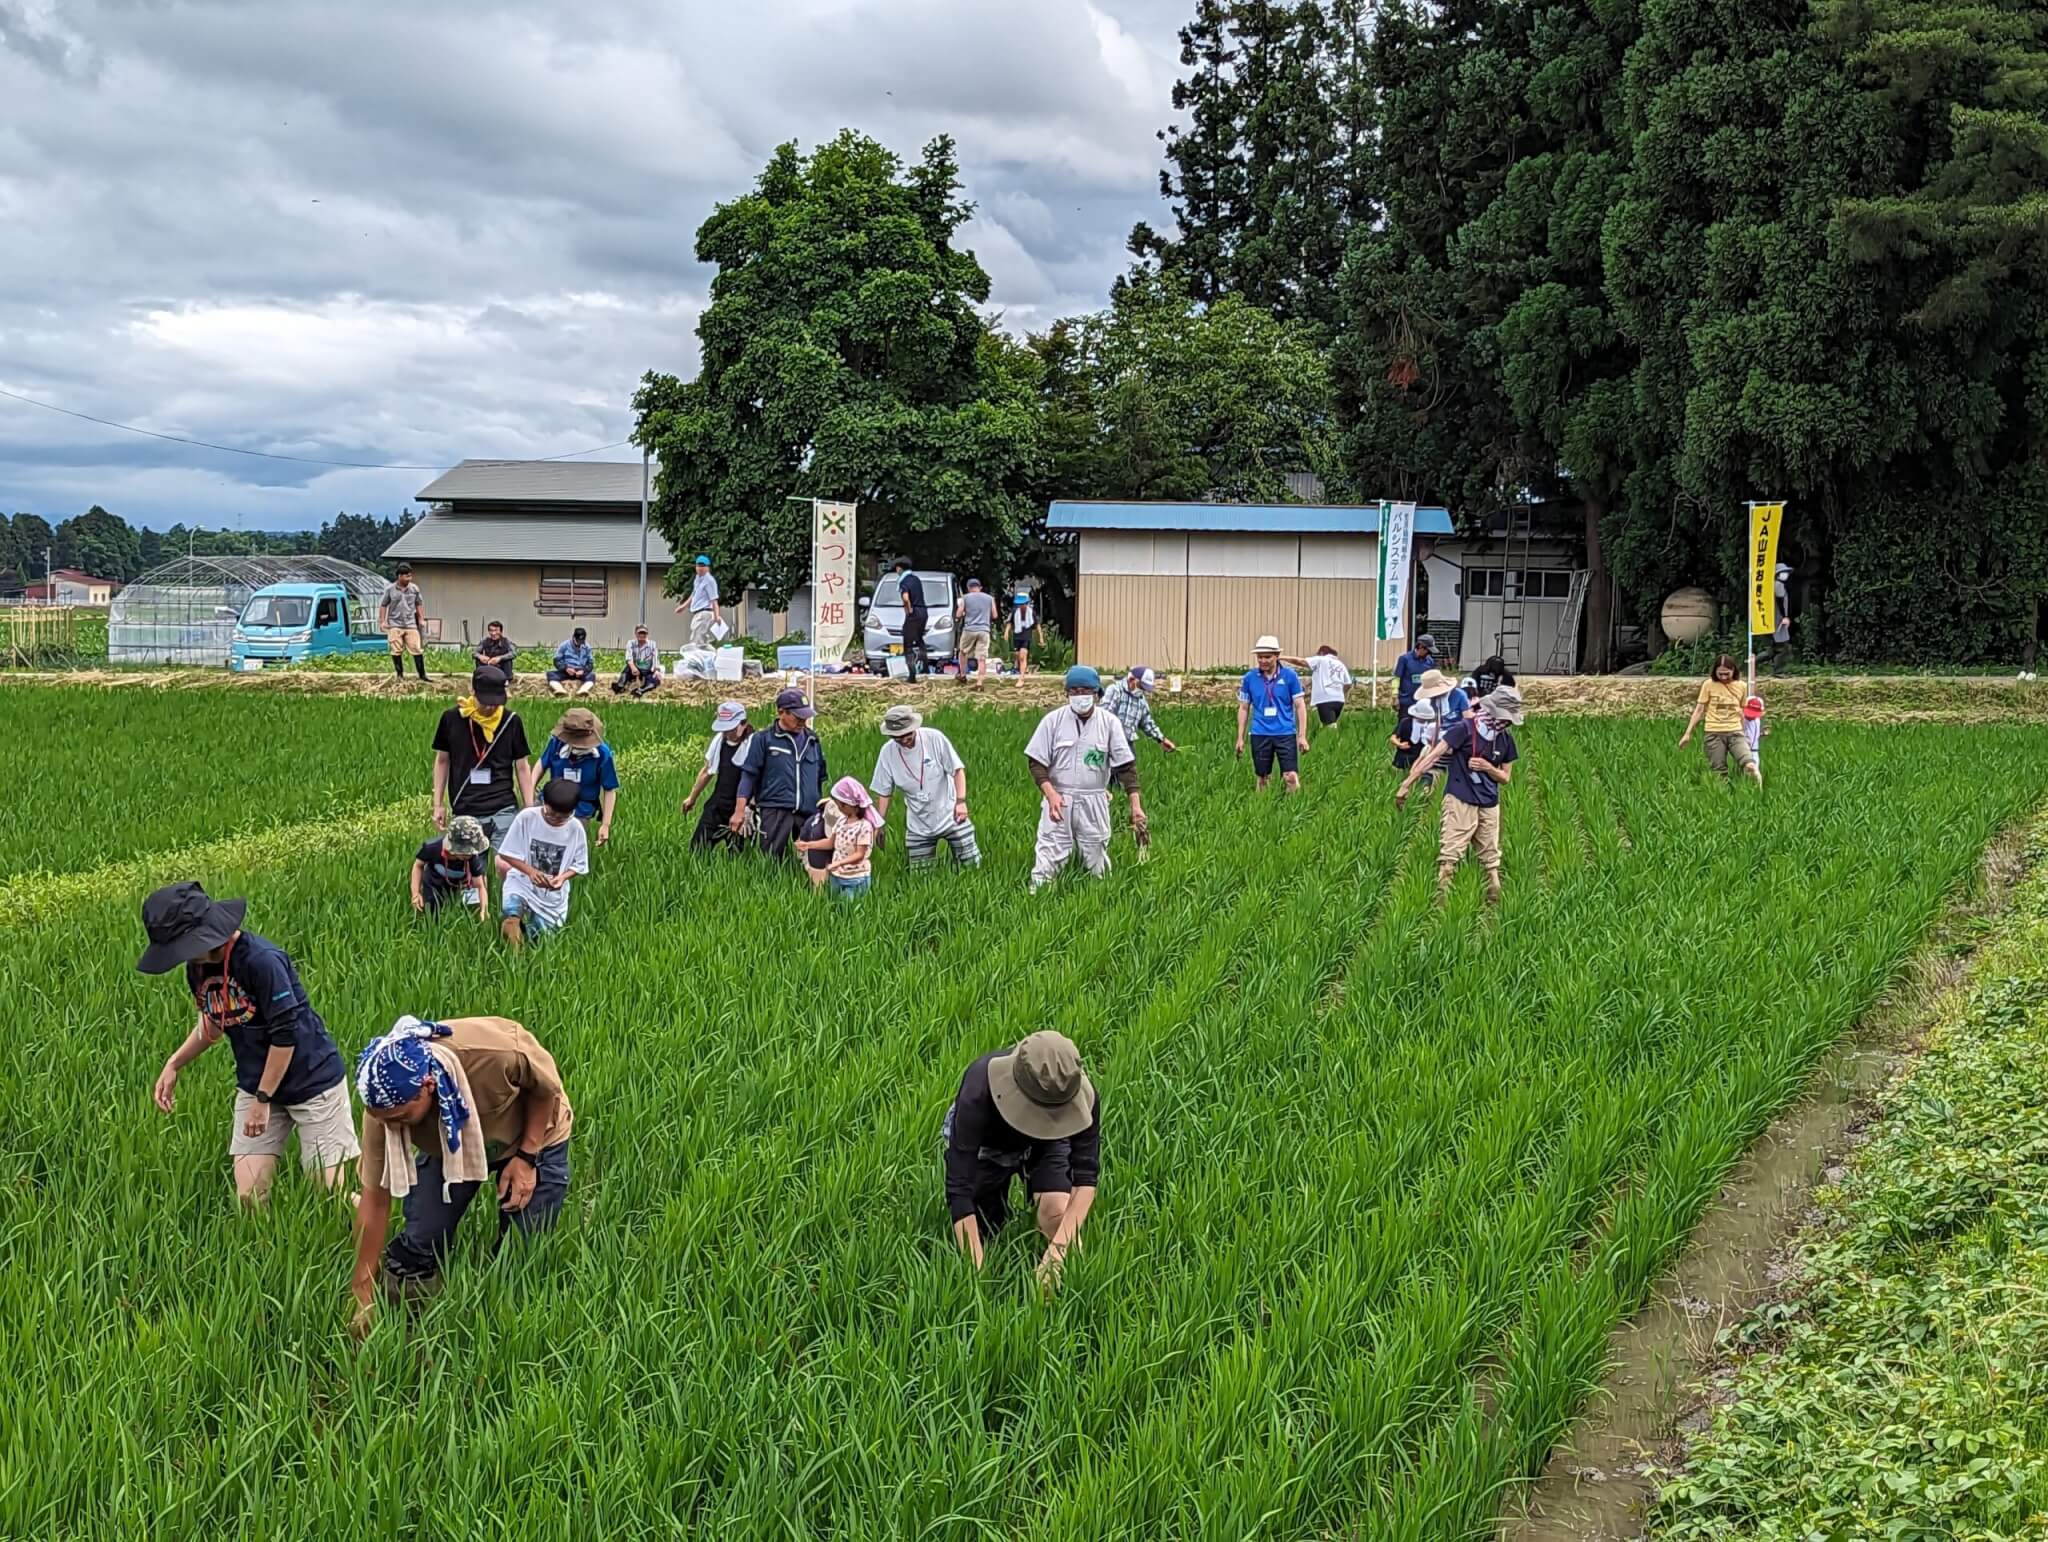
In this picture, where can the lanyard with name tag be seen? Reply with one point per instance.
(480, 777)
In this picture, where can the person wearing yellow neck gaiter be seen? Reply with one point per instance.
(481, 764)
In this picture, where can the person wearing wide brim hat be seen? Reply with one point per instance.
(1273, 710)
(1028, 1111)
(922, 764)
(1452, 700)
(576, 752)
(1479, 755)
(288, 1073)
(730, 730)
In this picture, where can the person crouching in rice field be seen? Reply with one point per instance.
(542, 854)
(922, 764)
(448, 1107)
(849, 839)
(721, 773)
(288, 1074)
(576, 752)
(1479, 755)
(454, 864)
(1025, 1112)
(1074, 755)
(1720, 703)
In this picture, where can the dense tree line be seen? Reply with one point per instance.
(107, 546)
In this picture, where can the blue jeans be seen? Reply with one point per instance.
(421, 1245)
(848, 888)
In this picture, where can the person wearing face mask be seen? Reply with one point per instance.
(1074, 754)
(576, 752)
(729, 733)
(1479, 755)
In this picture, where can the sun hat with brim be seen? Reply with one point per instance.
(1267, 644)
(901, 719)
(580, 729)
(1039, 1088)
(1505, 705)
(730, 715)
(184, 922)
(466, 837)
(1754, 707)
(1434, 683)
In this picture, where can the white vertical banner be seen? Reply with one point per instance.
(832, 583)
(1397, 543)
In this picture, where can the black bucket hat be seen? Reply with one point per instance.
(184, 922)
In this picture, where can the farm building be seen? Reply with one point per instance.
(68, 586)
(1191, 585)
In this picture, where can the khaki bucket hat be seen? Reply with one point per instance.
(580, 729)
(1039, 1088)
(1435, 683)
(901, 719)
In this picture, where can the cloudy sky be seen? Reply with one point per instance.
(417, 230)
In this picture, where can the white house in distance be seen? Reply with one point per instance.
(68, 586)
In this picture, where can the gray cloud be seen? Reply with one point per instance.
(422, 230)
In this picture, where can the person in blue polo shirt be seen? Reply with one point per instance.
(1273, 710)
(288, 1074)
(576, 752)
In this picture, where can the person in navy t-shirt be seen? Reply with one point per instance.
(1479, 755)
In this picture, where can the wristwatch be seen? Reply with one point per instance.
(530, 1158)
(262, 1096)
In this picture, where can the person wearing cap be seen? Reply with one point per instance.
(453, 864)
(575, 671)
(542, 853)
(975, 619)
(1479, 757)
(1074, 754)
(448, 1107)
(643, 666)
(910, 594)
(288, 1073)
(576, 752)
(1753, 730)
(922, 764)
(1272, 708)
(782, 773)
(1028, 1111)
(1129, 701)
(1328, 681)
(1408, 671)
(398, 617)
(496, 651)
(1023, 632)
(480, 764)
(1720, 703)
(721, 772)
(702, 604)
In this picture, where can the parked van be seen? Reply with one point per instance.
(882, 627)
(285, 623)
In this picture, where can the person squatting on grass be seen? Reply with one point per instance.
(1074, 754)
(398, 614)
(575, 671)
(730, 731)
(496, 650)
(542, 854)
(849, 838)
(480, 764)
(453, 864)
(1479, 753)
(576, 752)
(782, 772)
(288, 1073)
(922, 764)
(475, 1098)
(1271, 705)
(1720, 703)
(642, 673)
(1027, 1112)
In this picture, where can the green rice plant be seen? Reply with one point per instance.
(1379, 1174)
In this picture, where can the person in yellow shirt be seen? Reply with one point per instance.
(1720, 703)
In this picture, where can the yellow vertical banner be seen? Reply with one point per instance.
(1764, 520)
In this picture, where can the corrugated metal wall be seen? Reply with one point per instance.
(1197, 600)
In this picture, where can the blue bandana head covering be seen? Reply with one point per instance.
(395, 1069)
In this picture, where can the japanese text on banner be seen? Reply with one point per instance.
(1397, 540)
(832, 585)
(1764, 520)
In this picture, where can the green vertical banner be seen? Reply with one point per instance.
(1379, 620)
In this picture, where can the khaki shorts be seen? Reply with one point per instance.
(403, 639)
(325, 1122)
(1466, 825)
(1720, 746)
(973, 647)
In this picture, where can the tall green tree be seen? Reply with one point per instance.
(33, 537)
(98, 543)
(842, 356)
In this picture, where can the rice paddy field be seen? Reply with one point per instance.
(1379, 1175)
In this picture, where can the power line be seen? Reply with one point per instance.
(301, 460)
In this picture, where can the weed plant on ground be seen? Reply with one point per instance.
(1379, 1176)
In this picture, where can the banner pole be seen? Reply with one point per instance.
(811, 676)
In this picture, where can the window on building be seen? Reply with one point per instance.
(571, 592)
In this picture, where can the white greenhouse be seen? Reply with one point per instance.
(184, 611)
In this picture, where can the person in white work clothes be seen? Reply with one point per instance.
(1329, 679)
(1074, 754)
(702, 604)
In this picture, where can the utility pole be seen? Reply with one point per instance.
(643, 535)
(49, 579)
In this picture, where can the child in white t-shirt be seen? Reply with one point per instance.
(543, 851)
(1753, 730)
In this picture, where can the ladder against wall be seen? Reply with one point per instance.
(1564, 648)
(1513, 581)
